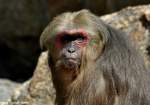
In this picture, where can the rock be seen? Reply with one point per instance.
(6, 89)
(39, 90)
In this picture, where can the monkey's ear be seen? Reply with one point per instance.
(44, 38)
(45, 42)
(42, 42)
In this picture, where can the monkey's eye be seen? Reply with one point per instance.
(80, 38)
(66, 38)
(69, 38)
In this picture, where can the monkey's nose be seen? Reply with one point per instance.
(71, 50)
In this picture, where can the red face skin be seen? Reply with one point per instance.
(79, 44)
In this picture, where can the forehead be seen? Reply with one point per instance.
(71, 22)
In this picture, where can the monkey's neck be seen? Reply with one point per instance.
(87, 89)
(62, 81)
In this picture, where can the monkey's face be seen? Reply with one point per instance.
(68, 48)
(72, 40)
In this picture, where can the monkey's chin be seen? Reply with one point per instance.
(71, 64)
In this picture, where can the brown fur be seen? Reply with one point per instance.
(112, 72)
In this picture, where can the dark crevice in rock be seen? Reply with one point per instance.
(145, 22)
(148, 50)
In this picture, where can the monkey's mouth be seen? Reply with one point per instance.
(71, 63)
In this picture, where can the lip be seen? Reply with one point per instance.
(73, 60)
(71, 63)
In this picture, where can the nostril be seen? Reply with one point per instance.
(71, 50)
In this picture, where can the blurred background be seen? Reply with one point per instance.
(22, 22)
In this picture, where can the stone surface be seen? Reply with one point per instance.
(6, 87)
(39, 90)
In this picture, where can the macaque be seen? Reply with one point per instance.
(93, 63)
